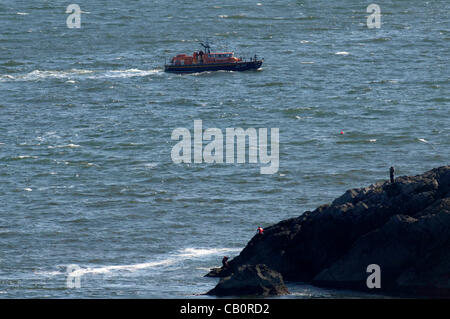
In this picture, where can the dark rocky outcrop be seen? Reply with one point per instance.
(219, 272)
(249, 280)
(403, 227)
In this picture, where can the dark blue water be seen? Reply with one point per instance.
(86, 117)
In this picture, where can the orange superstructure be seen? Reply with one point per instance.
(200, 57)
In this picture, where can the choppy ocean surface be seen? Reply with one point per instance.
(86, 117)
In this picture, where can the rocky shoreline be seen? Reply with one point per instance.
(403, 227)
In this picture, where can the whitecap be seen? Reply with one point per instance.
(47, 273)
(131, 268)
(127, 73)
(38, 74)
(426, 142)
(73, 74)
(150, 165)
(64, 146)
(342, 53)
(197, 252)
(6, 77)
(179, 257)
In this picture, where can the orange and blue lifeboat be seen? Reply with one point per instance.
(201, 61)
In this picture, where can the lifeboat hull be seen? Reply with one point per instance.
(195, 68)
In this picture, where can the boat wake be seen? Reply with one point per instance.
(77, 74)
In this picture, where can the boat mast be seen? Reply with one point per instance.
(207, 47)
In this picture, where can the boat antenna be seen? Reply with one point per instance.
(207, 47)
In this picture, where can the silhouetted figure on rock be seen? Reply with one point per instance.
(391, 173)
(225, 264)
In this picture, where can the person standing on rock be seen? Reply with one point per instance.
(225, 264)
(391, 173)
(260, 231)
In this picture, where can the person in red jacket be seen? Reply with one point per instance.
(260, 231)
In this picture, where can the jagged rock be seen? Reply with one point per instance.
(404, 227)
(218, 272)
(397, 247)
(250, 280)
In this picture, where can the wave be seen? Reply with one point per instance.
(129, 73)
(173, 259)
(342, 53)
(199, 252)
(263, 18)
(20, 157)
(37, 75)
(64, 146)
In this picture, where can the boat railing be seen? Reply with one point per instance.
(251, 59)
